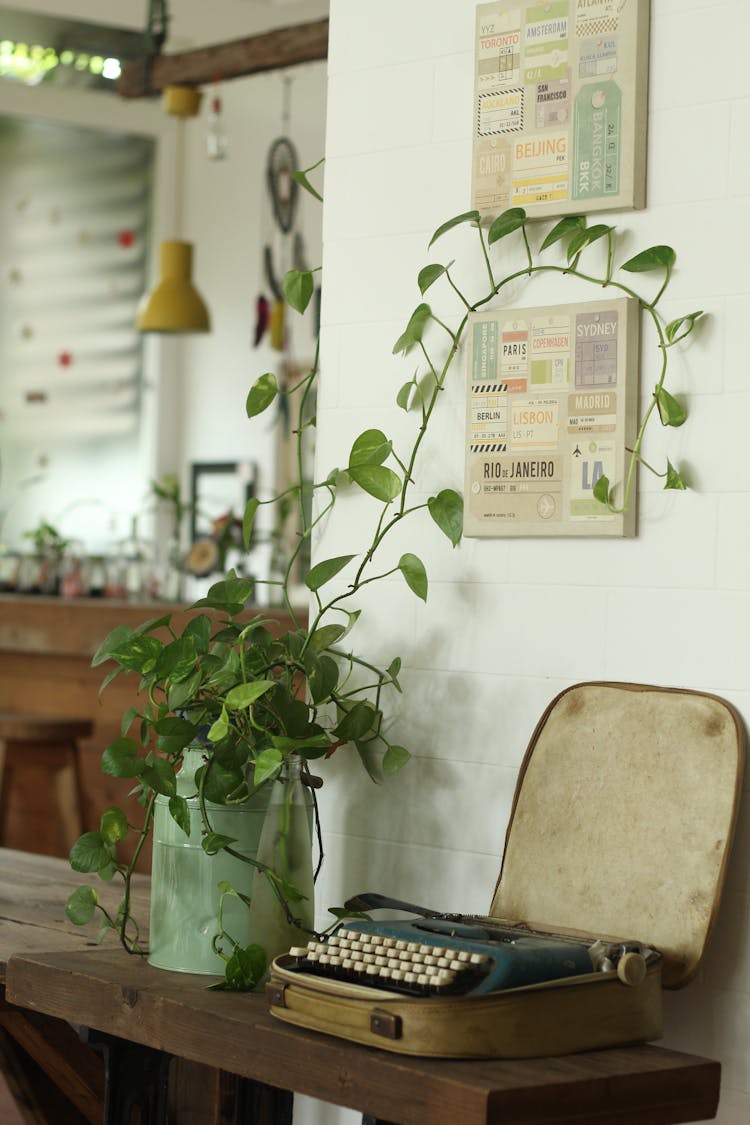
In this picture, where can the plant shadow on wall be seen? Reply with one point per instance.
(260, 710)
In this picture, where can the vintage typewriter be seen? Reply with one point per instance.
(454, 955)
(549, 971)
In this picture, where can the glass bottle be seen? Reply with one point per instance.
(286, 848)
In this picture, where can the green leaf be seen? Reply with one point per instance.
(371, 448)
(199, 628)
(601, 490)
(177, 660)
(244, 695)
(301, 178)
(180, 813)
(183, 693)
(656, 257)
(393, 670)
(674, 478)
(324, 637)
(127, 719)
(80, 907)
(219, 781)
(377, 481)
(214, 842)
(267, 765)
(120, 759)
(298, 286)
(394, 759)
(324, 571)
(248, 519)
(357, 722)
(429, 275)
(228, 595)
(91, 852)
(244, 970)
(585, 237)
(467, 217)
(135, 652)
(111, 643)
(447, 510)
(322, 677)
(571, 224)
(414, 330)
(670, 410)
(261, 394)
(415, 574)
(681, 327)
(312, 744)
(405, 394)
(160, 777)
(113, 825)
(219, 727)
(506, 223)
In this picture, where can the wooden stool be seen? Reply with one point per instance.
(41, 798)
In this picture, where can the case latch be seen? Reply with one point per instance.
(385, 1024)
(275, 993)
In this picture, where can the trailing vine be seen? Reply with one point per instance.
(236, 685)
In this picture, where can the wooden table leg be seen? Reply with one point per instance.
(259, 1104)
(136, 1080)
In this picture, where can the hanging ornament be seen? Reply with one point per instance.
(216, 138)
(126, 239)
(283, 189)
(64, 359)
(282, 161)
(262, 317)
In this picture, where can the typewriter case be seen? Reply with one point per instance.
(620, 828)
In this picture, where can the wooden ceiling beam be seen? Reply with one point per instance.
(274, 50)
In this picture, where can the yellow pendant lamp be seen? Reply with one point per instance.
(174, 304)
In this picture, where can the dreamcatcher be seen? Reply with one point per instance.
(283, 244)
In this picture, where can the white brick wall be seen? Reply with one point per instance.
(510, 623)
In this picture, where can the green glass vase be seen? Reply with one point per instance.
(185, 880)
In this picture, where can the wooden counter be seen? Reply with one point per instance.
(46, 645)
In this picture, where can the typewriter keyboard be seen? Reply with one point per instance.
(421, 968)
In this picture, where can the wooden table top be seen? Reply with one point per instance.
(33, 893)
(55, 968)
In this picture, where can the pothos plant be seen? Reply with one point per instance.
(309, 692)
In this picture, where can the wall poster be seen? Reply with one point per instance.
(552, 405)
(560, 106)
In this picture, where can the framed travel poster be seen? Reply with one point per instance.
(552, 400)
(560, 106)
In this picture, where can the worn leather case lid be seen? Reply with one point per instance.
(622, 819)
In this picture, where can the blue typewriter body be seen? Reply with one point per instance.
(440, 957)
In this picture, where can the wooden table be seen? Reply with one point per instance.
(174, 1013)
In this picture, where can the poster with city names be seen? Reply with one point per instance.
(552, 399)
(560, 106)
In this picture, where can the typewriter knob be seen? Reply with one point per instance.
(631, 969)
